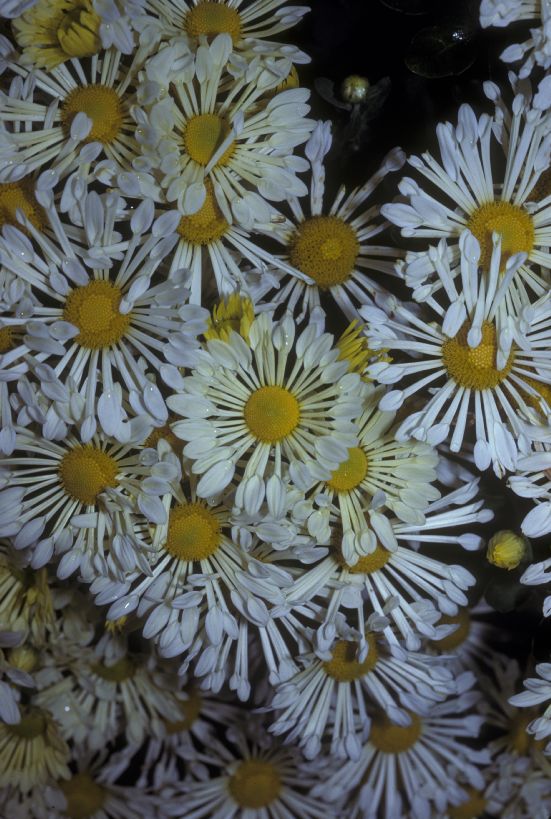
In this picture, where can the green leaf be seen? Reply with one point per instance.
(441, 51)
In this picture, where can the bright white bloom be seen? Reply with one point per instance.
(471, 355)
(472, 191)
(538, 691)
(272, 397)
(533, 480)
(537, 48)
(330, 248)
(203, 139)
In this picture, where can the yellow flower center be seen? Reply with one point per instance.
(193, 532)
(205, 226)
(458, 637)
(84, 796)
(236, 313)
(351, 473)
(255, 784)
(8, 338)
(190, 708)
(475, 367)
(473, 807)
(19, 195)
(203, 135)
(102, 105)
(85, 472)
(210, 19)
(343, 666)
(122, 670)
(371, 563)
(353, 348)
(394, 739)
(325, 248)
(31, 726)
(272, 413)
(543, 390)
(166, 434)
(519, 740)
(94, 309)
(513, 223)
(506, 549)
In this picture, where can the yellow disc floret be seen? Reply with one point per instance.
(475, 367)
(513, 223)
(102, 105)
(85, 472)
(372, 562)
(19, 196)
(234, 313)
(84, 796)
(271, 414)
(343, 665)
(94, 309)
(506, 549)
(394, 739)
(325, 248)
(457, 637)
(193, 532)
(53, 31)
(351, 473)
(255, 784)
(210, 19)
(203, 135)
(8, 338)
(205, 226)
(473, 807)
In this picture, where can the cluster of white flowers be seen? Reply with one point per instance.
(241, 524)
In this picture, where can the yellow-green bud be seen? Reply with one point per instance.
(506, 549)
(354, 88)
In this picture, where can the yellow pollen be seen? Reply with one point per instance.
(85, 472)
(255, 784)
(94, 309)
(193, 532)
(272, 413)
(343, 666)
(122, 670)
(203, 135)
(210, 19)
(84, 796)
(473, 807)
(325, 248)
(31, 726)
(205, 226)
(19, 195)
(351, 473)
(513, 223)
(102, 105)
(235, 313)
(506, 549)
(458, 637)
(8, 338)
(190, 708)
(372, 562)
(475, 367)
(394, 739)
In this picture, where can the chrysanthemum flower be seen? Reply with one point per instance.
(32, 751)
(330, 248)
(502, 13)
(271, 397)
(532, 479)
(472, 356)
(200, 132)
(470, 191)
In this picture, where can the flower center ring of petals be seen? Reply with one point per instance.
(193, 532)
(102, 105)
(350, 473)
(203, 135)
(84, 796)
(210, 19)
(343, 666)
(394, 739)
(255, 784)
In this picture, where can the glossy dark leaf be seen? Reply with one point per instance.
(440, 51)
(410, 6)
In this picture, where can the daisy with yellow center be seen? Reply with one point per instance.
(91, 327)
(271, 398)
(474, 358)
(330, 248)
(206, 142)
(472, 194)
(354, 676)
(32, 751)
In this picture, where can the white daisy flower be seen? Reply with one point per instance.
(537, 48)
(538, 691)
(32, 751)
(517, 791)
(200, 132)
(95, 333)
(532, 479)
(330, 248)
(480, 358)
(275, 397)
(468, 192)
(407, 587)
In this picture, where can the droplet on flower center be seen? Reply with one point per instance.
(84, 796)
(94, 309)
(102, 105)
(32, 725)
(473, 807)
(458, 637)
(203, 135)
(255, 784)
(85, 472)
(122, 670)
(205, 226)
(394, 739)
(210, 19)
(190, 708)
(513, 223)
(343, 665)
(325, 248)
(351, 473)
(475, 367)
(272, 413)
(19, 195)
(193, 532)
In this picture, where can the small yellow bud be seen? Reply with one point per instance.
(25, 658)
(354, 88)
(507, 549)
